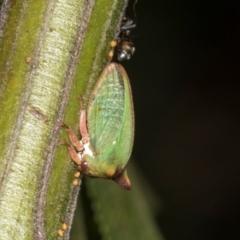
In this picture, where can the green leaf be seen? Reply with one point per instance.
(116, 213)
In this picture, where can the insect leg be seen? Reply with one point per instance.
(73, 138)
(83, 123)
(74, 155)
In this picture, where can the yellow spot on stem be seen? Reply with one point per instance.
(77, 174)
(75, 182)
(64, 226)
(28, 59)
(113, 43)
(111, 53)
(60, 232)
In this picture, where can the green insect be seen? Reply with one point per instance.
(107, 128)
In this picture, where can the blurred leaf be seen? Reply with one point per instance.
(116, 213)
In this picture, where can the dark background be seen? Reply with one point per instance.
(186, 89)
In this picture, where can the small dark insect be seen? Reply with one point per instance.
(125, 46)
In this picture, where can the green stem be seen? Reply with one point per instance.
(51, 51)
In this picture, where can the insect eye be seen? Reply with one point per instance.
(84, 165)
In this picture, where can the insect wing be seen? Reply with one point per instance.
(105, 111)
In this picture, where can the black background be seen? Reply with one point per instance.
(186, 90)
